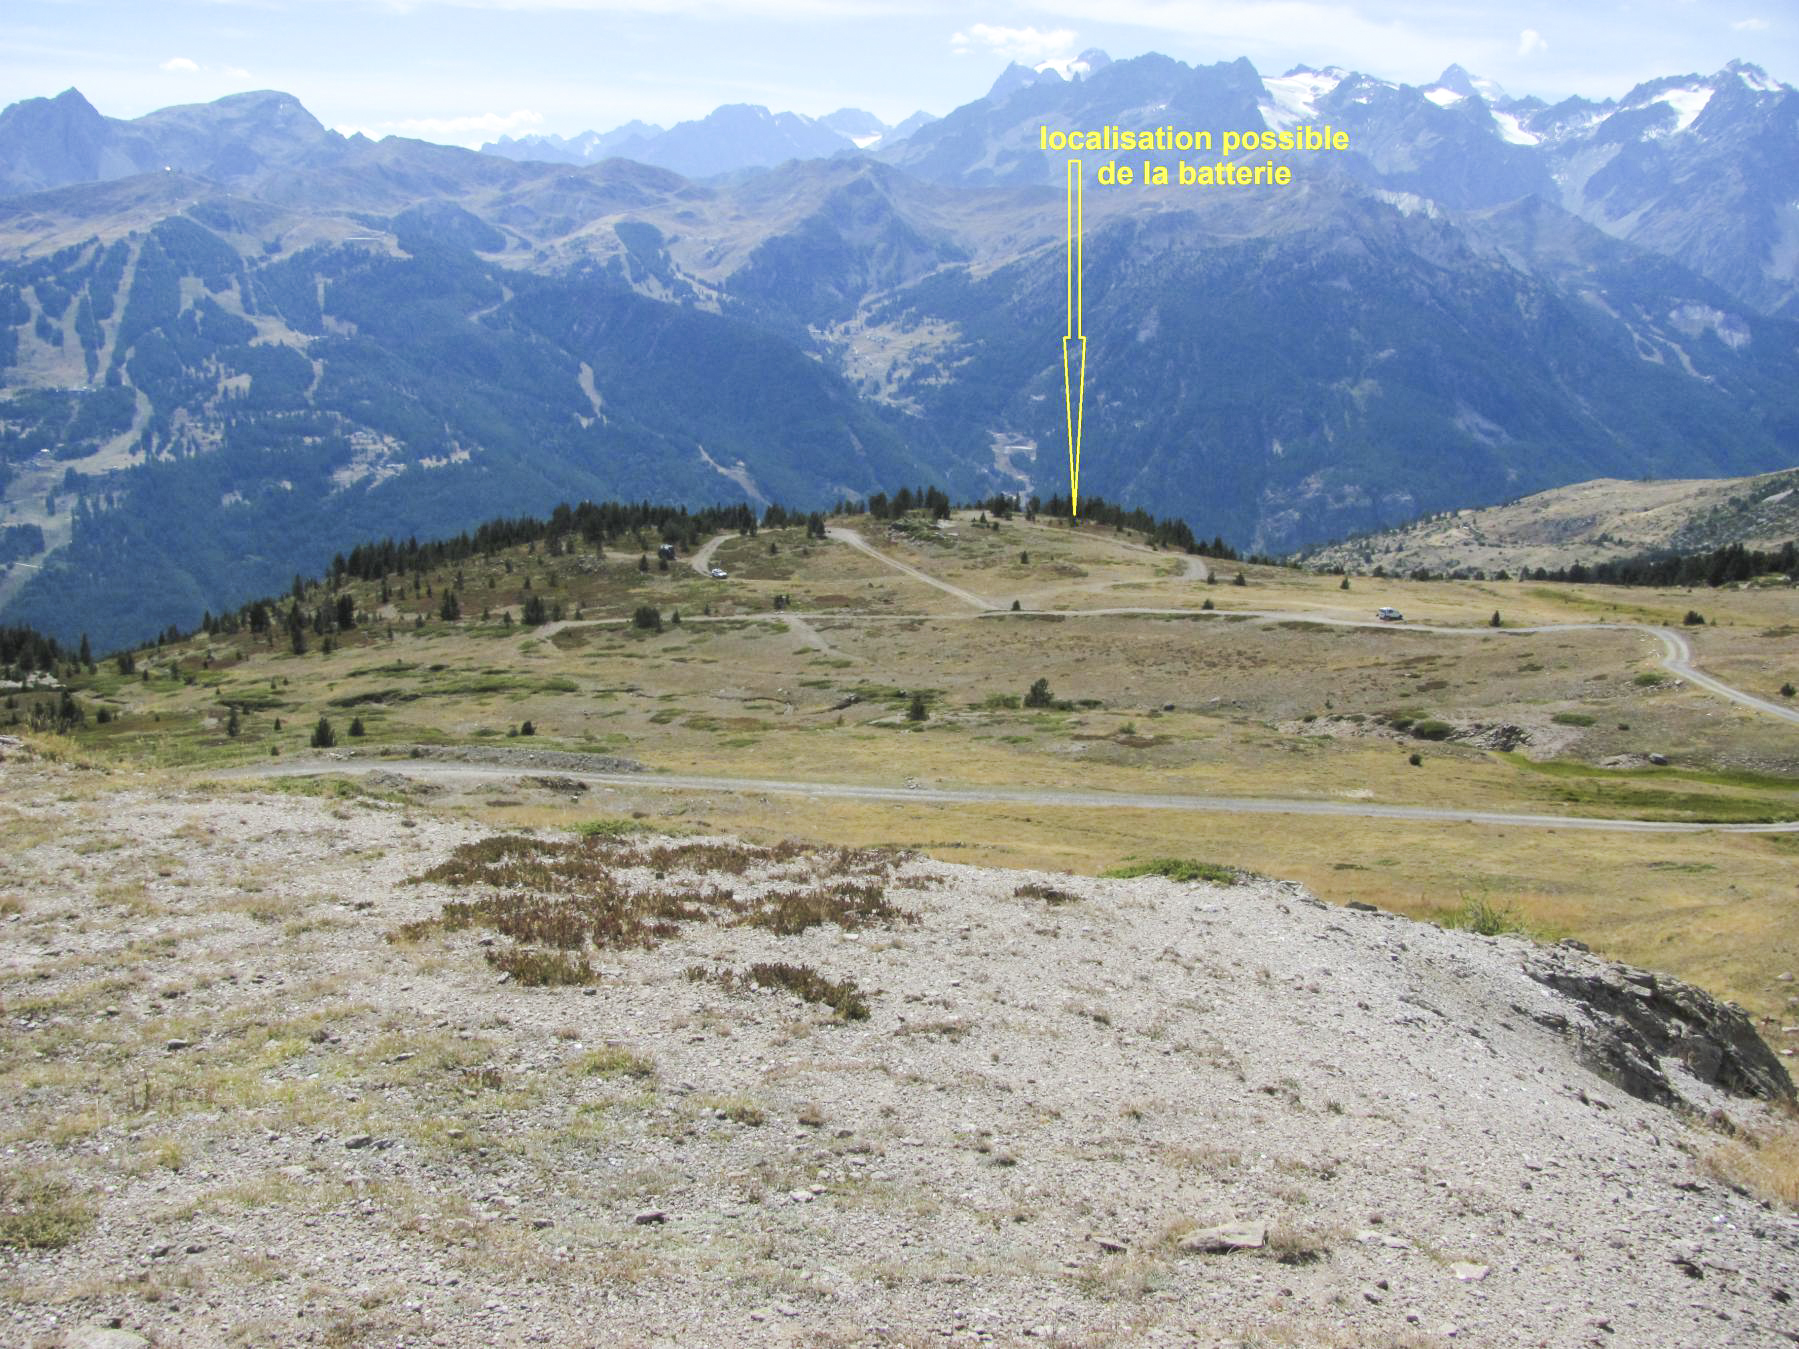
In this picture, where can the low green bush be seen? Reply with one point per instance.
(1178, 869)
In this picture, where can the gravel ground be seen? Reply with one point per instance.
(277, 1126)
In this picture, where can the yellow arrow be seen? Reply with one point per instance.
(1074, 386)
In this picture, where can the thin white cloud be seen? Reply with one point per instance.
(236, 73)
(1028, 46)
(1530, 42)
(741, 9)
(1336, 32)
(1750, 25)
(181, 65)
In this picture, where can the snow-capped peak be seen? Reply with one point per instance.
(1293, 98)
(1459, 81)
(1755, 77)
(1077, 67)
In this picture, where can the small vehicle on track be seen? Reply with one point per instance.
(718, 573)
(1387, 615)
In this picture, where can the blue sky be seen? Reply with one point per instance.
(463, 71)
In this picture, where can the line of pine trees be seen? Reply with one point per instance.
(603, 524)
(1721, 566)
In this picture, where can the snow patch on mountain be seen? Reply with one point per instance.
(1688, 102)
(1409, 203)
(1512, 130)
(1293, 98)
(1756, 78)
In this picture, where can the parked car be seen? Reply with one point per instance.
(718, 573)
(1386, 615)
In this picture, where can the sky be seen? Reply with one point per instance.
(466, 71)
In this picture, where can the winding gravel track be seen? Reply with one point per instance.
(849, 791)
(1677, 657)
(861, 545)
(701, 558)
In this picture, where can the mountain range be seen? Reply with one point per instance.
(233, 342)
(729, 139)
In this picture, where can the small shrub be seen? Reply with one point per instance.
(1786, 689)
(323, 737)
(606, 828)
(1208, 606)
(542, 969)
(1049, 894)
(356, 727)
(39, 1212)
(1480, 915)
(843, 998)
(1650, 679)
(916, 710)
(1573, 719)
(1428, 728)
(1178, 869)
(1415, 759)
(1694, 619)
(647, 617)
(1240, 580)
(1039, 695)
(1495, 621)
(738, 1110)
(529, 728)
(615, 1061)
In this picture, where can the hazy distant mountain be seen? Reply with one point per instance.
(728, 140)
(1702, 170)
(51, 142)
(910, 125)
(994, 140)
(863, 128)
(588, 148)
(221, 373)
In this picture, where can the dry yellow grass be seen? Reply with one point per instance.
(1764, 1162)
(747, 695)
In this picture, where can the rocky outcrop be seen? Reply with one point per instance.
(1635, 1020)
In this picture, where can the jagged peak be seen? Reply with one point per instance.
(1753, 76)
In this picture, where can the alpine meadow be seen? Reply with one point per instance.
(1157, 710)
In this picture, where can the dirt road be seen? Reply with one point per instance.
(1677, 657)
(861, 545)
(427, 769)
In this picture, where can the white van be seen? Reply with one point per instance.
(1386, 615)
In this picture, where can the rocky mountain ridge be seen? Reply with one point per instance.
(291, 341)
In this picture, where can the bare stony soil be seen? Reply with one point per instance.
(244, 1102)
